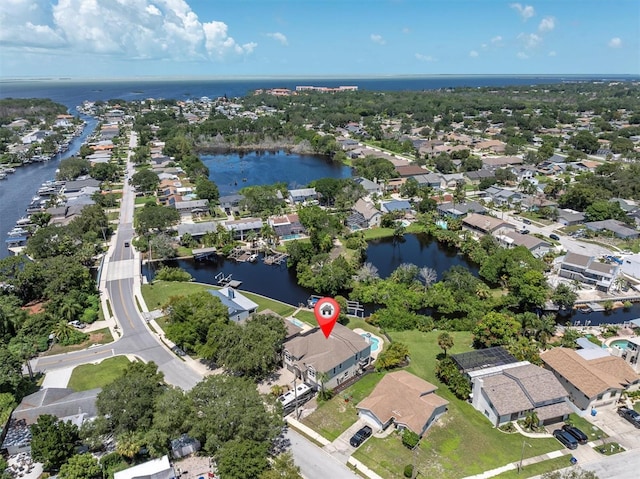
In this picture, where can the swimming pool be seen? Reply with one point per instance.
(375, 342)
(620, 343)
(291, 237)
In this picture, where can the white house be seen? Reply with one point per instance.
(240, 307)
(155, 469)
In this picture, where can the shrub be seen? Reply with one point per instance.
(408, 470)
(392, 357)
(410, 439)
(167, 273)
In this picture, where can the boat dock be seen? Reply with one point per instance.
(203, 253)
(276, 258)
(225, 281)
(242, 255)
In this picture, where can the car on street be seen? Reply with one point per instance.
(566, 439)
(580, 436)
(126, 244)
(525, 232)
(554, 237)
(630, 415)
(360, 436)
(526, 221)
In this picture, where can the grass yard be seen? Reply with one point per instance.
(538, 468)
(593, 432)
(610, 448)
(459, 444)
(99, 336)
(333, 417)
(306, 317)
(91, 376)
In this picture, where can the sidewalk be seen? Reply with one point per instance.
(526, 462)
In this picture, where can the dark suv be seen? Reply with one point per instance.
(565, 438)
(580, 436)
(630, 415)
(360, 436)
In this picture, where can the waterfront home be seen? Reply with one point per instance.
(239, 306)
(301, 195)
(537, 246)
(364, 215)
(369, 186)
(80, 183)
(588, 270)
(327, 362)
(286, 225)
(241, 228)
(512, 391)
(403, 400)
(591, 383)
(189, 208)
(402, 206)
(482, 225)
(197, 230)
(231, 203)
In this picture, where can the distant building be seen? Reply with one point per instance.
(588, 270)
(483, 225)
(155, 469)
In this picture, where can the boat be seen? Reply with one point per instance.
(17, 232)
(253, 258)
(25, 220)
(3, 176)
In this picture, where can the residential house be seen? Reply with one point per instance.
(475, 177)
(536, 202)
(523, 172)
(588, 270)
(243, 227)
(396, 205)
(407, 171)
(618, 228)
(459, 210)
(159, 468)
(286, 225)
(494, 146)
(585, 166)
(188, 208)
(364, 215)
(502, 196)
(303, 194)
(394, 184)
(591, 383)
(433, 180)
(501, 162)
(404, 400)
(511, 392)
(197, 230)
(480, 360)
(568, 217)
(537, 246)
(184, 446)
(452, 180)
(327, 362)
(231, 203)
(369, 186)
(483, 225)
(77, 185)
(631, 353)
(240, 307)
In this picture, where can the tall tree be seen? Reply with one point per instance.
(53, 442)
(81, 466)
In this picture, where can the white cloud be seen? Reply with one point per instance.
(132, 29)
(552, 53)
(525, 11)
(530, 40)
(522, 55)
(496, 39)
(280, 37)
(406, 30)
(547, 24)
(615, 42)
(425, 58)
(375, 38)
(473, 54)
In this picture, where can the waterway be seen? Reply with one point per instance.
(17, 190)
(233, 171)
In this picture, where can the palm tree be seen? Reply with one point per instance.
(62, 331)
(428, 275)
(531, 421)
(128, 444)
(69, 309)
(445, 341)
(367, 273)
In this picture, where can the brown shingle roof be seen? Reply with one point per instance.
(583, 374)
(404, 397)
(323, 354)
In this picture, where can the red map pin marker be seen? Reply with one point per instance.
(327, 311)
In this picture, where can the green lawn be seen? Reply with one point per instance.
(538, 468)
(90, 376)
(593, 432)
(462, 442)
(609, 448)
(333, 417)
(308, 317)
(99, 336)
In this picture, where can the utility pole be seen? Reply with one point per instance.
(522, 455)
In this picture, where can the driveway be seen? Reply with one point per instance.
(619, 430)
(340, 447)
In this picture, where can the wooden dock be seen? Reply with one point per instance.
(203, 253)
(276, 258)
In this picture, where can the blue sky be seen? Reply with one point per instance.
(184, 38)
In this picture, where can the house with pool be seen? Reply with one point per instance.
(316, 359)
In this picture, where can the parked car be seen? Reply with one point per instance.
(526, 221)
(360, 436)
(554, 237)
(566, 439)
(580, 436)
(630, 415)
(525, 232)
(126, 244)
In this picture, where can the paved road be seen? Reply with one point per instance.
(315, 463)
(122, 283)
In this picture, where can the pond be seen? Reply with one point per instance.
(233, 171)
